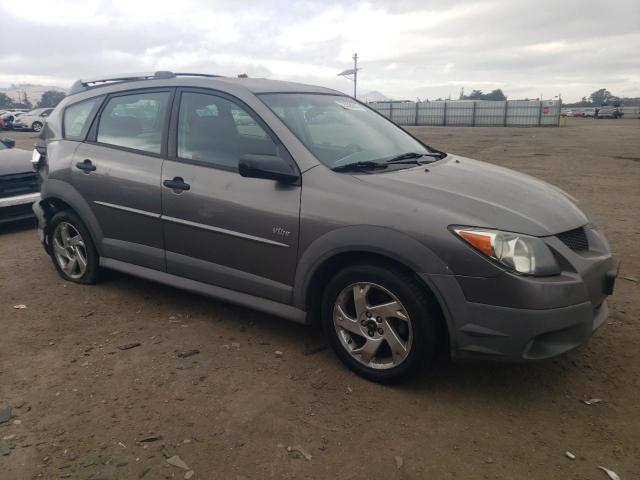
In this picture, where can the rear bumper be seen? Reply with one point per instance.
(538, 327)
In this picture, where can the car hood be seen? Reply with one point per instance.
(15, 160)
(474, 193)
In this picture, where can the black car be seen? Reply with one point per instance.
(18, 183)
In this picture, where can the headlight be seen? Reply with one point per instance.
(520, 253)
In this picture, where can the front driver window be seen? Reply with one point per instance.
(217, 131)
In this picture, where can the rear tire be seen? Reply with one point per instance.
(382, 309)
(73, 252)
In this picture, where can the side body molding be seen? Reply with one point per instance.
(363, 238)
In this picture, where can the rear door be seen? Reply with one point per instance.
(231, 231)
(117, 171)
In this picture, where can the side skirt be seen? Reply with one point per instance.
(243, 299)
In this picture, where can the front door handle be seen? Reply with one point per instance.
(177, 184)
(86, 166)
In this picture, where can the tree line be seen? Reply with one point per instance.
(49, 99)
(604, 97)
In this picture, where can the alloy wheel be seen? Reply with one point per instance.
(69, 250)
(373, 325)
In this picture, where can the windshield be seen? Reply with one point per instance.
(339, 130)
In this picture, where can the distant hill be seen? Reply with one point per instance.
(373, 96)
(34, 92)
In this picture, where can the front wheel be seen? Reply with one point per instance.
(72, 250)
(380, 321)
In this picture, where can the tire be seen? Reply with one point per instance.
(36, 126)
(76, 247)
(353, 334)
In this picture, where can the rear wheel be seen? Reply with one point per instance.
(72, 250)
(379, 321)
(36, 126)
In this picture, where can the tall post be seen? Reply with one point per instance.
(415, 122)
(506, 110)
(540, 107)
(473, 115)
(355, 74)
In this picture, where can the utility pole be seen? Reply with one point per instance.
(352, 71)
(355, 74)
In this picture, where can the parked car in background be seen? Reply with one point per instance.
(566, 113)
(589, 112)
(18, 183)
(579, 113)
(610, 112)
(6, 120)
(33, 120)
(337, 216)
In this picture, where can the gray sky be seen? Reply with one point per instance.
(407, 48)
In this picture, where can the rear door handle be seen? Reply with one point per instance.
(86, 166)
(177, 184)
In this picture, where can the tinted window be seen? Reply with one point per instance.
(76, 119)
(134, 121)
(215, 130)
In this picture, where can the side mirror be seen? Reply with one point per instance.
(8, 142)
(270, 167)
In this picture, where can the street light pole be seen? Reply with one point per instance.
(355, 74)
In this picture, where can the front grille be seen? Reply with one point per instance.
(575, 239)
(18, 184)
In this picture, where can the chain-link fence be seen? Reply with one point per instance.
(478, 113)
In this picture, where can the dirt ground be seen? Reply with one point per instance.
(82, 408)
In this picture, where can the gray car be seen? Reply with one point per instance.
(233, 188)
(18, 183)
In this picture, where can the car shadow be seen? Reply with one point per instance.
(478, 380)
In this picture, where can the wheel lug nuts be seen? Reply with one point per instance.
(369, 314)
(380, 331)
(370, 332)
(363, 322)
(379, 319)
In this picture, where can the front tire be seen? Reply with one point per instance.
(380, 321)
(73, 252)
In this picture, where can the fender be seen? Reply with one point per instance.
(62, 190)
(364, 238)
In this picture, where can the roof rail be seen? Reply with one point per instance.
(85, 84)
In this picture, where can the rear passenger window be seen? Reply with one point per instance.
(134, 121)
(214, 130)
(76, 119)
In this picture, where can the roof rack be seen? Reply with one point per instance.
(83, 85)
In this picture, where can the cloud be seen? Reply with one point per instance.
(407, 48)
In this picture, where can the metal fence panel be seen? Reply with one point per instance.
(631, 112)
(481, 113)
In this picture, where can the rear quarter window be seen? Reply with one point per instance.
(77, 118)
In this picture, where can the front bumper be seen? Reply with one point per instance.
(17, 207)
(533, 327)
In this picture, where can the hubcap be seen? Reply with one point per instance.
(373, 325)
(69, 250)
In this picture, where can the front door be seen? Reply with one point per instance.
(221, 228)
(117, 171)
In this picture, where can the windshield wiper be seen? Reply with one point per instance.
(368, 165)
(412, 156)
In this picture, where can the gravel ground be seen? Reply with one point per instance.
(82, 408)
